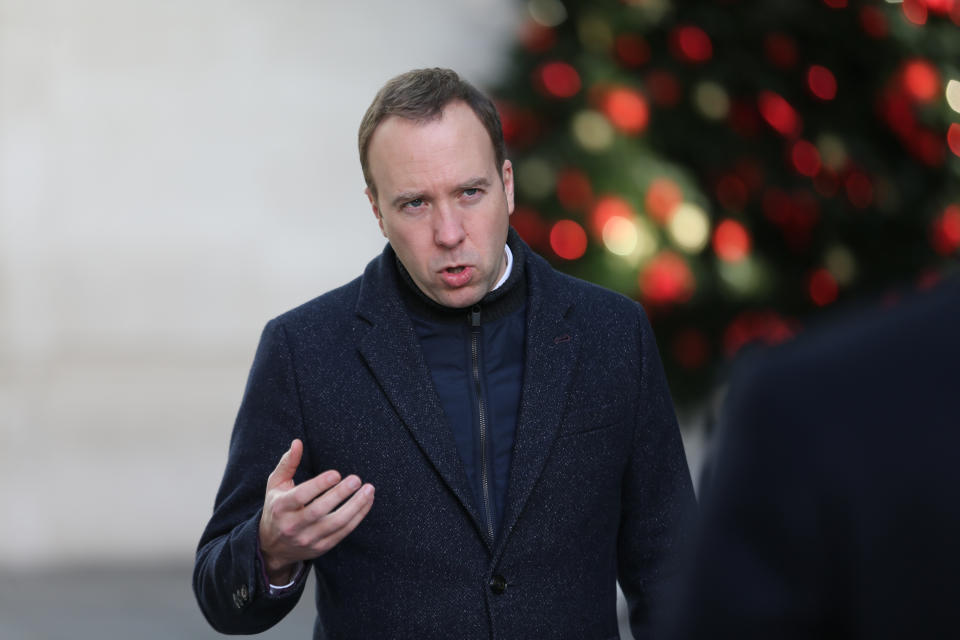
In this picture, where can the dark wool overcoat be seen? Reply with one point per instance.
(598, 487)
(833, 503)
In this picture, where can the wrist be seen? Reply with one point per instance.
(276, 571)
(279, 574)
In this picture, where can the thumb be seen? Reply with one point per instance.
(287, 466)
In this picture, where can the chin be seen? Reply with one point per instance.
(460, 301)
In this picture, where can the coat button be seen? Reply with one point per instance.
(498, 584)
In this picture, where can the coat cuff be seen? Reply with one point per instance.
(279, 590)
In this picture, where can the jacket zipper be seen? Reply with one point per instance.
(482, 413)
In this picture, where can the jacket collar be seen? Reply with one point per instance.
(501, 302)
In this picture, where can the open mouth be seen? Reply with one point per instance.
(458, 275)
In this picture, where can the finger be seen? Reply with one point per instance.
(287, 466)
(338, 518)
(306, 492)
(339, 524)
(326, 503)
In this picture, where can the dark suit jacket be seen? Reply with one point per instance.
(833, 507)
(598, 488)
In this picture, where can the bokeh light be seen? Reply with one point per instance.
(821, 82)
(778, 113)
(568, 239)
(921, 80)
(574, 190)
(946, 231)
(822, 287)
(549, 13)
(942, 7)
(712, 100)
(595, 34)
(620, 236)
(833, 152)
(731, 241)
(559, 79)
(953, 138)
(805, 158)
(530, 225)
(666, 279)
(627, 109)
(689, 227)
(593, 131)
(648, 240)
(520, 126)
(842, 264)
(873, 22)
(535, 178)
(952, 94)
(537, 38)
(662, 196)
(743, 278)
(859, 189)
(690, 43)
(606, 208)
(915, 11)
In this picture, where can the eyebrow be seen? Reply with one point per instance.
(407, 196)
(473, 183)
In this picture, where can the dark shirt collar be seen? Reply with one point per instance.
(502, 301)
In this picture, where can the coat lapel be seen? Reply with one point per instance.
(392, 352)
(550, 355)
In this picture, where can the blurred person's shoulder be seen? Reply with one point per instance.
(913, 327)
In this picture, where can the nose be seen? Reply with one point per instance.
(448, 229)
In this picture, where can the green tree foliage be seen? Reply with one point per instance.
(737, 166)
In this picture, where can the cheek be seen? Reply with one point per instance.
(413, 239)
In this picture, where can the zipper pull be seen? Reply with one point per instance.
(475, 316)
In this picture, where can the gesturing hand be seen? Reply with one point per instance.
(301, 522)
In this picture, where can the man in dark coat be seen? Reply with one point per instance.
(515, 422)
(832, 508)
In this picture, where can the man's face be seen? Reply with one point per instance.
(442, 202)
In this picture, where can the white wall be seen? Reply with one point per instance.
(173, 173)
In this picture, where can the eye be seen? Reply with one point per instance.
(416, 203)
(471, 192)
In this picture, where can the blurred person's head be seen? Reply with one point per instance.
(432, 152)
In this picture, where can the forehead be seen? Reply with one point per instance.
(450, 146)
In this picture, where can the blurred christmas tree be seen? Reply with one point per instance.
(736, 165)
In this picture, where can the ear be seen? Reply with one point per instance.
(506, 175)
(376, 210)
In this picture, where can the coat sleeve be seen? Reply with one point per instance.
(658, 507)
(228, 580)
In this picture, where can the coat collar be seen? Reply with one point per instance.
(550, 354)
(392, 352)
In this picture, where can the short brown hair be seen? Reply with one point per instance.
(421, 95)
